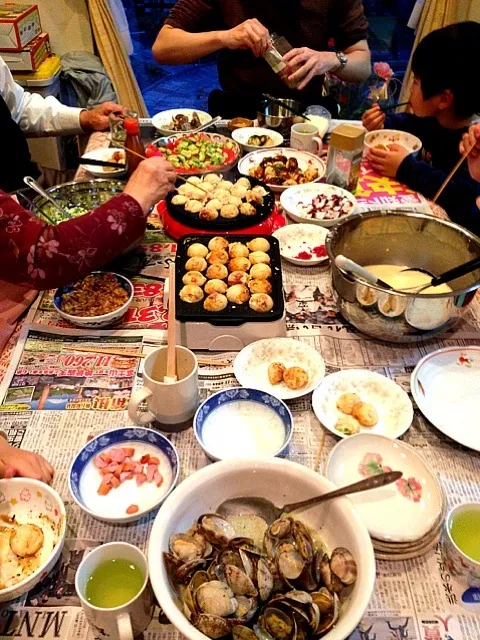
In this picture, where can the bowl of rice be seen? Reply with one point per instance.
(98, 300)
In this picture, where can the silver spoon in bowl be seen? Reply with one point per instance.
(33, 184)
(252, 505)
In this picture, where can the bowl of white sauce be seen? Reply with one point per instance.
(242, 422)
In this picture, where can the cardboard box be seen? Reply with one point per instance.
(19, 25)
(31, 57)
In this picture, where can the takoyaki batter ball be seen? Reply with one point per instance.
(260, 271)
(347, 425)
(196, 264)
(259, 244)
(179, 200)
(208, 214)
(239, 264)
(366, 414)
(275, 372)
(191, 293)
(215, 286)
(212, 178)
(229, 211)
(193, 206)
(197, 250)
(260, 286)
(347, 401)
(238, 294)
(238, 250)
(218, 243)
(258, 257)
(217, 256)
(26, 540)
(238, 277)
(247, 209)
(217, 272)
(194, 277)
(215, 302)
(261, 302)
(295, 377)
(244, 182)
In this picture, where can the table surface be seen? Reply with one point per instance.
(416, 599)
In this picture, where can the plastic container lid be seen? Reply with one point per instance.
(45, 75)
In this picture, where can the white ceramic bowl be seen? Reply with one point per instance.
(163, 118)
(294, 197)
(243, 134)
(105, 155)
(281, 481)
(298, 239)
(28, 500)
(95, 322)
(392, 136)
(305, 161)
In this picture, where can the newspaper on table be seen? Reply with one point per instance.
(53, 399)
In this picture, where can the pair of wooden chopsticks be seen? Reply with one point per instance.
(134, 153)
(101, 163)
(453, 172)
(133, 354)
(393, 106)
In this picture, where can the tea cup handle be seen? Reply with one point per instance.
(319, 142)
(124, 626)
(136, 398)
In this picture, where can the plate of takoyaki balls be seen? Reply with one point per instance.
(220, 201)
(228, 280)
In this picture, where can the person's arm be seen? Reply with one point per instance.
(38, 116)
(309, 63)
(48, 256)
(177, 46)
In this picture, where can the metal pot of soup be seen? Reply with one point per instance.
(387, 243)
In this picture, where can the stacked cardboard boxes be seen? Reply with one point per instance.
(23, 46)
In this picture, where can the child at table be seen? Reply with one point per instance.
(443, 98)
(15, 462)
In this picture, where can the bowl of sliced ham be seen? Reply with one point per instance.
(123, 474)
(317, 203)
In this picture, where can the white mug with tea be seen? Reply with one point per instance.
(170, 403)
(116, 597)
(304, 136)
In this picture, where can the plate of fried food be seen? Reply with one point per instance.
(284, 367)
(179, 120)
(354, 400)
(282, 169)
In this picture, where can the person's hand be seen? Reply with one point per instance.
(469, 140)
(24, 464)
(386, 163)
(309, 63)
(250, 34)
(373, 118)
(97, 119)
(151, 181)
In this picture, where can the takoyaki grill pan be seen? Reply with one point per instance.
(233, 314)
(224, 224)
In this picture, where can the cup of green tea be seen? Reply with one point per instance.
(112, 584)
(462, 542)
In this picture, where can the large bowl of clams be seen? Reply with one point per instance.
(304, 576)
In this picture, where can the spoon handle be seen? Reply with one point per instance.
(33, 184)
(363, 485)
(456, 272)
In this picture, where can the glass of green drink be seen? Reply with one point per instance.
(112, 584)
(462, 542)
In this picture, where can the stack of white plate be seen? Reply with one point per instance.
(404, 519)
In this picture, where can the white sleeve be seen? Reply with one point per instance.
(37, 116)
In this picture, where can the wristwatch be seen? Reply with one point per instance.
(343, 59)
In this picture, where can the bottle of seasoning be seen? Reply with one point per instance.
(133, 142)
(277, 47)
(345, 156)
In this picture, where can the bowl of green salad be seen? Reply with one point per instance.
(77, 198)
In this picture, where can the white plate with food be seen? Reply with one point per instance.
(303, 244)
(350, 401)
(106, 155)
(383, 138)
(254, 138)
(179, 120)
(320, 204)
(284, 367)
(123, 474)
(32, 532)
(445, 385)
(282, 168)
(401, 512)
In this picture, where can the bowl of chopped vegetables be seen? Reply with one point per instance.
(77, 198)
(197, 153)
(96, 301)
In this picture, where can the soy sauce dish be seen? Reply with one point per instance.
(243, 422)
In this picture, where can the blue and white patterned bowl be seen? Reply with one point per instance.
(242, 394)
(142, 440)
(95, 322)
